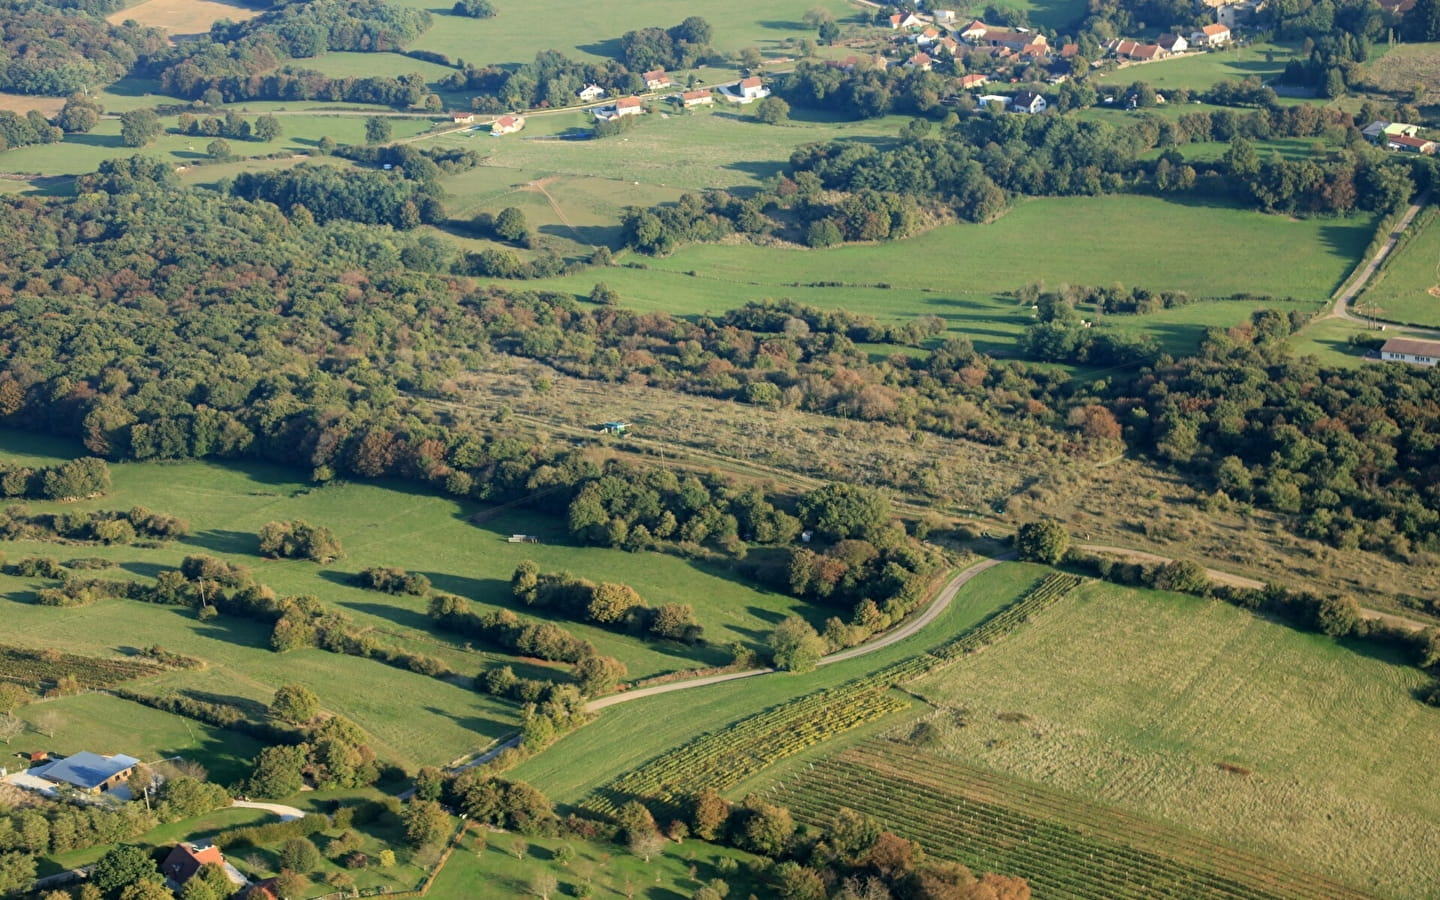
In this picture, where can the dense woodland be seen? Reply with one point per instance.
(44, 50)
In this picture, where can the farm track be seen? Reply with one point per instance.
(1064, 846)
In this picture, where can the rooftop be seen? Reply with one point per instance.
(1412, 347)
(85, 769)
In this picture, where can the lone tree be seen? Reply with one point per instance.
(1044, 542)
(511, 226)
(127, 864)
(377, 130)
(295, 704)
(772, 111)
(139, 127)
(795, 646)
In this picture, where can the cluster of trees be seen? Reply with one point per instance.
(102, 526)
(73, 480)
(334, 753)
(606, 604)
(1278, 185)
(1061, 335)
(393, 581)
(475, 9)
(678, 47)
(295, 83)
(299, 540)
(551, 79)
(864, 92)
(503, 628)
(59, 52)
(234, 125)
(328, 193)
(32, 128)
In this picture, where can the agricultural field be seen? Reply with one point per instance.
(23, 103)
(178, 17)
(1214, 721)
(1203, 71)
(1407, 288)
(488, 866)
(631, 734)
(300, 134)
(1405, 68)
(105, 724)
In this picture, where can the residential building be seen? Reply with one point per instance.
(1173, 43)
(628, 106)
(753, 88)
(905, 20)
(921, 61)
(591, 92)
(1211, 36)
(1148, 53)
(969, 82)
(90, 772)
(186, 859)
(656, 80)
(1380, 131)
(507, 125)
(1407, 144)
(1028, 102)
(1411, 350)
(697, 98)
(463, 118)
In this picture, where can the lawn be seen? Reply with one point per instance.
(630, 734)
(105, 724)
(300, 133)
(501, 866)
(1329, 341)
(1407, 289)
(1135, 698)
(1202, 71)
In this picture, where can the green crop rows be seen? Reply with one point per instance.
(1063, 847)
(721, 760)
(36, 668)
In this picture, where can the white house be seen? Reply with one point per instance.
(943, 16)
(507, 125)
(1028, 102)
(1173, 43)
(656, 80)
(463, 118)
(700, 97)
(628, 106)
(905, 20)
(1411, 350)
(922, 61)
(591, 92)
(1210, 36)
(752, 88)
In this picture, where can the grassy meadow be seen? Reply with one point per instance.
(182, 16)
(1407, 289)
(1202, 71)
(1134, 699)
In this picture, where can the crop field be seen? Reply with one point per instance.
(627, 736)
(23, 103)
(104, 724)
(35, 669)
(1407, 289)
(381, 525)
(590, 31)
(1202, 71)
(183, 16)
(1215, 721)
(81, 153)
(1065, 847)
(487, 866)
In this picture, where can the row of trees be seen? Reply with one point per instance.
(606, 604)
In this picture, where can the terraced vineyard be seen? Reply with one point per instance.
(35, 669)
(723, 759)
(1064, 846)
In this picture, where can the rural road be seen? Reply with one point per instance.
(286, 813)
(1357, 285)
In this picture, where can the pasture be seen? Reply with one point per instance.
(178, 17)
(1407, 289)
(1202, 71)
(1404, 70)
(1215, 721)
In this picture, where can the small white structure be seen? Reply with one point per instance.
(1211, 36)
(628, 106)
(591, 92)
(1028, 102)
(463, 118)
(507, 125)
(906, 20)
(753, 88)
(944, 16)
(1411, 350)
(1173, 43)
(702, 97)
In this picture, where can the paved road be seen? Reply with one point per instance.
(911, 627)
(1357, 285)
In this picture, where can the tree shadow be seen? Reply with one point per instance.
(487, 590)
(22, 596)
(224, 541)
(144, 569)
(587, 235)
(406, 618)
(482, 726)
(610, 47)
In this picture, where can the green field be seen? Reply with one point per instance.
(1407, 289)
(1202, 71)
(1292, 149)
(630, 734)
(1329, 341)
(104, 724)
(1133, 699)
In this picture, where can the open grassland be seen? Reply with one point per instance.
(1136, 699)
(592, 31)
(182, 16)
(1407, 289)
(1060, 15)
(383, 525)
(81, 153)
(1201, 71)
(631, 734)
(487, 865)
(1293, 149)
(104, 724)
(1064, 846)
(1405, 68)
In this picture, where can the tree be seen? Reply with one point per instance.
(279, 772)
(122, 866)
(425, 822)
(595, 675)
(429, 783)
(1422, 23)
(377, 130)
(141, 783)
(267, 128)
(291, 883)
(603, 295)
(795, 646)
(79, 115)
(295, 704)
(139, 127)
(543, 884)
(511, 226)
(829, 32)
(796, 882)
(772, 111)
(17, 870)
(647, 845)
(842, 510)
(11, 727)
(1045, 541)
(12, 697)
(765, 828)
(218, 149)
(708, 814)
(475, 9)
(609, 602)
(147, 890)
(300, 855)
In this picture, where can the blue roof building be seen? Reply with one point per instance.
(88, 771)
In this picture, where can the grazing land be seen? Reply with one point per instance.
(183, 16)
(1405, 68)
(1202, 71)
(1206, 717)
(1407, 289)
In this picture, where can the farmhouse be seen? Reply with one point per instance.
(921, 61)
(974, 81)
(656, 80)
(974, 31)
(700, 97)
(591, 92)
(1173, 43)
(1407, 144)
(507, 125)
(1149, 52)
(90, 772)
(186, 859)
(463, 118)
(1211, 36)
(1411, 350)
(1380, 131)
(905, 20)
(1028, 102)
(753, 88)
(628, 106)
(949, 45)
(928, 36)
